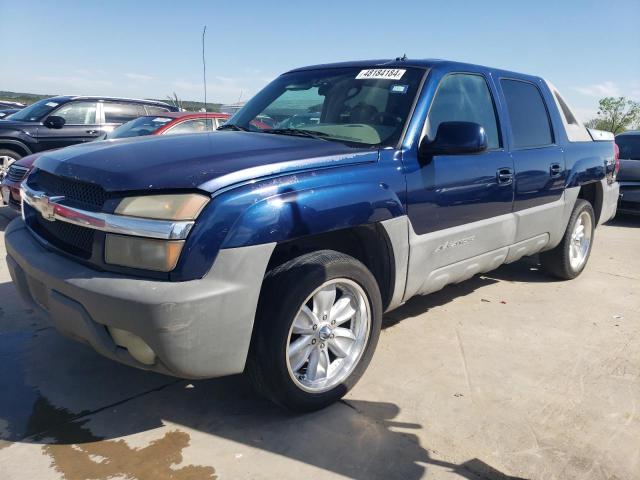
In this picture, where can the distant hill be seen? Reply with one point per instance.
(29, 98)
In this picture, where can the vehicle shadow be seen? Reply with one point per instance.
(355, 438)
(77, 405)
(625, 220)
(525, 270)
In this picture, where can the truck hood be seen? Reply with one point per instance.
(199, 161)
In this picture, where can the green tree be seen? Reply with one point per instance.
(616, 115)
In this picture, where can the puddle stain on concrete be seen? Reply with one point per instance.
(24, 412)
(104, 459)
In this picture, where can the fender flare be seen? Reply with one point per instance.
(20, 144)
(293, 214)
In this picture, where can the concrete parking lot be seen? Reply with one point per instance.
(508, 375)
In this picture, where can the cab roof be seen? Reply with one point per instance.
(66, 98)
(425, 63)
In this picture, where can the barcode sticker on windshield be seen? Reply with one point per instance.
(381, 74)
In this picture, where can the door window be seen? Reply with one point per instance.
(154, 110)
(464, 97)
(198, 125)
(528, 115)
(121, 112)
(78, 113)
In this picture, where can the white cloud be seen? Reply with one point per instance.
(138, 77)
(604, 89)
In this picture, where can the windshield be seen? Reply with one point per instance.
(139, 127)
(629, 146)
(35, 111)
(360, 107)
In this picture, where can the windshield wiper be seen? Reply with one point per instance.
(233, 126)
(298, 132)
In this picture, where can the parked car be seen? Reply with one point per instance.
(275, 251)
(629, 176)
(61, 121)
(4, 104)
(4, 114)
(169, 123)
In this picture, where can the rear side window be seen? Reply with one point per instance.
(197, 125)
(154, 110)
(530, 125)
(121, 112)
(566, 111)
(629, 146)
(463, 97)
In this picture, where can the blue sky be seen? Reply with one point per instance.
(588, 49)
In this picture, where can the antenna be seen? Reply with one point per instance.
(204, 69)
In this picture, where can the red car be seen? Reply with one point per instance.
(169, 123)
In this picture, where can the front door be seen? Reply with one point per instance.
(459, 206)
(81, 125)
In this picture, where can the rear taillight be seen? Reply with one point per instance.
(616, 156)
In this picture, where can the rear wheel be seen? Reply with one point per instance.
(317, 326)
(7, 158)
(568, 259)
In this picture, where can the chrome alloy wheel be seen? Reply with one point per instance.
(5, 163)
(328, 335)
(580, 241)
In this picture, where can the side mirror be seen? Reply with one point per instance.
(54, 122)
(455, 138)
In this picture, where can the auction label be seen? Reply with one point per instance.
(381, 74)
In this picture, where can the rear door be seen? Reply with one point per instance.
(538, 160)
(117, 113)
(81, 125)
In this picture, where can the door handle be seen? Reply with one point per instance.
(92, 132)
(555, 170)
(505, 176)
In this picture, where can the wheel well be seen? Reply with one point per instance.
(16, 147)
(592, 193)
(367, 243)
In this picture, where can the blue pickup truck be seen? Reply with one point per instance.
(275, 250)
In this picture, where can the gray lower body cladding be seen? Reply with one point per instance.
(197, 329)
(455, 254)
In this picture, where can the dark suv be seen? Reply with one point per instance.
(629, 176)
(61, 121)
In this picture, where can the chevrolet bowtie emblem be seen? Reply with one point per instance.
(46, 205)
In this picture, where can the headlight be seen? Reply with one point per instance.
(183, 206)
(144, 253)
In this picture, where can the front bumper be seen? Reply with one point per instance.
(197, 329)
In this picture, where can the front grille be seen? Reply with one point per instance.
(16, 173)
(88, 194)
(65, 236)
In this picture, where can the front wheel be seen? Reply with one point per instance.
(568, 259)
(7, 158)
(318, 323)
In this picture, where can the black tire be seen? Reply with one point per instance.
(557, 261)
(4, 152)
(284, 291)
